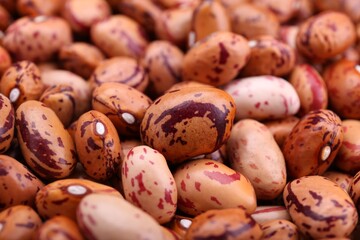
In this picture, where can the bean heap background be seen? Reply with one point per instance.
(179, 119)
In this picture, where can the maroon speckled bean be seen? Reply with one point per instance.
(253, 152)
(18, 184)
(320, 208)
(348, 158)
(163, 62)
(80, 58)
(62, 197)
(7, 123)
(123, 105)
(119, 35)
(148, 183)
(19, 223)
(188, 122)
(325, 35)
(342, 179)
(310, 87)
(217, 59)
(123, 70)
(28, 38)
(46, 145)
(209, 17)
(224, 224)
(22, 82)
(269, 56)
(343, 82)
(97, 145)
(252, 21)
(313, 143)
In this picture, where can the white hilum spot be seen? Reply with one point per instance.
(14, 95)
(186, 223)
(357, 67)
(252, 43)
(128, 118)
(325, 153)
(39, 19)
(76, 190)
(100, 128)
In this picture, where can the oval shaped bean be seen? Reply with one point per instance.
(81, 58)
(342, 179)
(62, 197)
(349, 7)
(22, 82)
(206, 184)
(343, 82)
(188, 122)
(82, 15)
(123, 70)
(98, 145)
(148, 183)
(28, 38)
(224, 224)
(209, 17)
(310, 87)
(119, 35)
(263, 98)
(280, 229)
(269, 56)
(320, 208)
(348, 159)
(163, 62)
(7, 123)
(253, 152)
(123, 105)
(313, 143)
(103, 216)
(217, 59)
(58, 227)
(325, 35)
(18, 184)
(18, 223)
(61, 99)
(253, 21)
(46, 145)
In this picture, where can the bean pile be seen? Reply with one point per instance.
(179, 119)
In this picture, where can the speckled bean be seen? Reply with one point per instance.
(108, 217)
(280, 229)
(59, 227)
(188, 122)
(313, 143)
(61, 99)
(343, 82)
(97, 145)
(217, 59)
(38, 7)
(119, 35)
(80, 58)
(7, 123)
(269, 56)
(28, 38)
(123, 105)
(284, 10)
(18, 223)
(310, 87)
(320, 208)
(62, 197)
(22, 82)
(253, 152)
(46, 145)
(148, 183)
(342, 179)
(224, 224)
(123, 70)
(163, 62)
(263, 98)
(325, 35)
(18, 184)
(206, 184)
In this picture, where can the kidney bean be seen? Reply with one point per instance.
(280, 229)
(7, 123)
(342, 179)
(349, 7)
